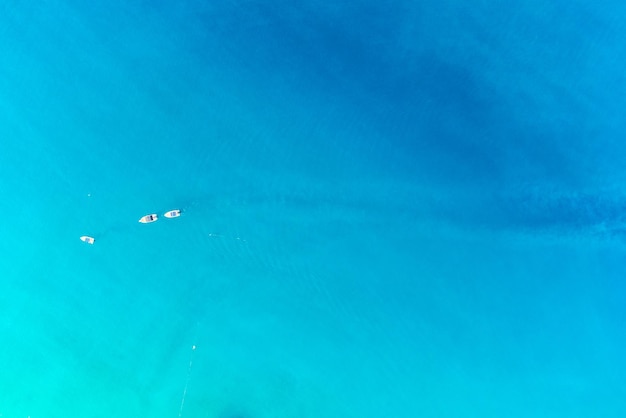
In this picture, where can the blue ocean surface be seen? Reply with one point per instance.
(405, 209)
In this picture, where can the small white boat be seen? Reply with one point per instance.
(175, 213)
(149, 218)
(87, 239)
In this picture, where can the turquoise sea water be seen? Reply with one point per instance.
(389, 210)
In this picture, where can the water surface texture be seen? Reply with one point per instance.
(400, 209)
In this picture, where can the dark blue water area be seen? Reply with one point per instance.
(407, 209)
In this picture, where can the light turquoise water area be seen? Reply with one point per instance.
(370, 227)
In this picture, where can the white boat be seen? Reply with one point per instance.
(175, 213)
(87, 239)
(149, 218)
